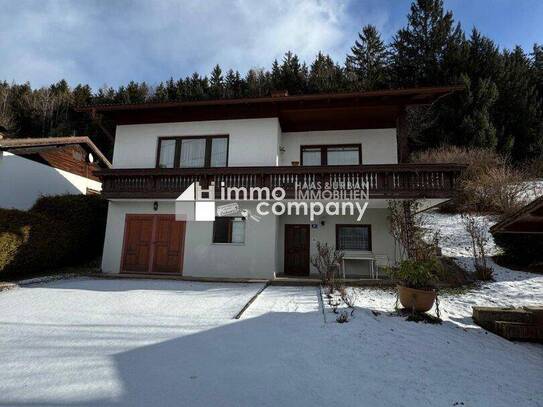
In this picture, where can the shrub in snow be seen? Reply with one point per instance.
(342, 317)
(327, 262)
(477, 231)
(407, 228)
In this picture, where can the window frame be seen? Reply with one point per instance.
(177, 154)
(230, 230)
(324, 151)
(341, 225)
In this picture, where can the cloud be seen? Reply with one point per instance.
(112, 42)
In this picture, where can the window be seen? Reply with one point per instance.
(219, 152)
(353, 237)
(311, 156)
(229, 230)
(167, 153)
(193, 152)
(342, 154)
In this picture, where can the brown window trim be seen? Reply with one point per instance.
(324, 147)
(177, 156)
(340, 225)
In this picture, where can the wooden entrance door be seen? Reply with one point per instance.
(297, 250)
(153, 243)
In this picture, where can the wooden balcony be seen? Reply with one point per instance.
(384, 181)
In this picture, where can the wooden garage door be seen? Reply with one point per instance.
(153, 243)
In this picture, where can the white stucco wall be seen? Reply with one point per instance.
(22, 181)
(382, 241)
(260, 256)
(379, 146)
(256, 258)
(251, 141)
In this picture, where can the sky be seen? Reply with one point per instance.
(110, 42)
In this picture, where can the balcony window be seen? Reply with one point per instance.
(347, 154)
(353, 237)
(229, 230)
(193, 152)
(167, 153)
(219, 152)
(311, 156)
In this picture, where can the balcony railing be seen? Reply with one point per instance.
(384, 181)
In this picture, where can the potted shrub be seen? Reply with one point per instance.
(416, 283)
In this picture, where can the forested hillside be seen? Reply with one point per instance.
(501, 108)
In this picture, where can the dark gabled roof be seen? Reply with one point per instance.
(414, 93)
(332, 111)
(35, 145)
(528, 219)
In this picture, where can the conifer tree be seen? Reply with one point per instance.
(368, 60)
(419, 51)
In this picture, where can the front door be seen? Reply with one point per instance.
(297, 250)
(153, 243)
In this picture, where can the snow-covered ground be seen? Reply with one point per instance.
(168, 343)
(113, 342)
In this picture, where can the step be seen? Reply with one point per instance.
(517, 331)
(537, 312)
(486, 316)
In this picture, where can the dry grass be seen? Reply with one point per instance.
(489, 184)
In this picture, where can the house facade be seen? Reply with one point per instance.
(35, 167)
(161, 149)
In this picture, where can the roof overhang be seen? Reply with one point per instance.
(377, 109)
(25, 146)
(528, 219)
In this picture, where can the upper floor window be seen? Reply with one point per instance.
(193, 152)
(337, 154)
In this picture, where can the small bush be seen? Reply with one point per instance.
(489, 184)
(520, 249)
(56, 232)
(417, 274)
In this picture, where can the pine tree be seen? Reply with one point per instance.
(293, 74)
(324, 75)
(216, 83)
(368, 60)
(518, 110)
(420, 50)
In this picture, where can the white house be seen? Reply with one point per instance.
(162, 148)
(33, 167)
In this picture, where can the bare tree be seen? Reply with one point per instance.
(477, 230)
(327, 262)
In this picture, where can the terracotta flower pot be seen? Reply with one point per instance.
(421, 300)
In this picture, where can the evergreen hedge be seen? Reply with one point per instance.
(57, 231)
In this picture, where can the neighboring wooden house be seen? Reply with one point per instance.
(521, 234)
(32, 167)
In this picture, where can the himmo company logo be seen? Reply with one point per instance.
(315, 199)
